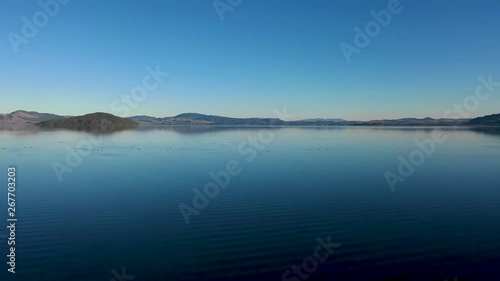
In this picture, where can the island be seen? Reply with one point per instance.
(94, 122)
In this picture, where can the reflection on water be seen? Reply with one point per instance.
(118, 204)
(32, 129)
(487, 130)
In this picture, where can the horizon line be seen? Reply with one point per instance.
(347, 120)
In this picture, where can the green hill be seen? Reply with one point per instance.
(101, 122)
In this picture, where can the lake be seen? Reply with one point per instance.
(254, 203)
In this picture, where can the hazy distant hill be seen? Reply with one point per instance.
(323, 120)
(148, 120)
(31, 117)
(26, 117)
(220, 120)
(101, 122)
(202, 119)
(411, 122)
(489, 120)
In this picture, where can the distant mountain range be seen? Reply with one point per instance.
(32, 117)
(323, 120)
(201, 119)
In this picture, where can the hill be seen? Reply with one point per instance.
(148, 120)
(323, 120)
(202, 119)
(411, 122)
(100, 122)
(488, 120)
(26, 117)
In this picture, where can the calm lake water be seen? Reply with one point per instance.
(117, 206)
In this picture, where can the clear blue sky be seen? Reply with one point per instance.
(265, 54)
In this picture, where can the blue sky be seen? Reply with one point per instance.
(263, 55)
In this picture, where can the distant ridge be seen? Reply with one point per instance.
(203, 119)
(102, 122)
(194, 116)
(323, 120)
(26, 117)
(32, 117)
(488, 120)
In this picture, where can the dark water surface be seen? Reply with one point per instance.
(119, 206)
